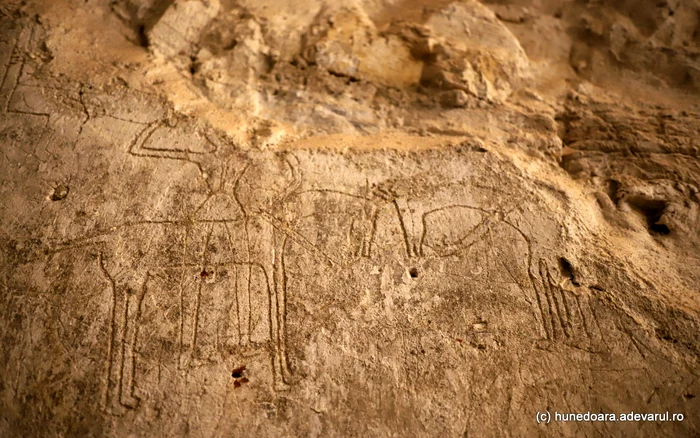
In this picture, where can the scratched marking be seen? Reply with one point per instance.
(222, 273)
(566, 313)
(219, 253)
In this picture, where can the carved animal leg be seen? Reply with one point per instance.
(114, 350)
(364, 229)
(243, 303)
(118, 311)
(411, 227)
(134, 302)
(278, 316)
(121, 363)
(368, 239)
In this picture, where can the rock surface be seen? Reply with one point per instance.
(374, 218)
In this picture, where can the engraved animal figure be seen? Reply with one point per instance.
(228, 229)
(254, 212)
(421, 218)
(488, 250)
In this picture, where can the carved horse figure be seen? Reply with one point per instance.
(443, 226)
(253, 213)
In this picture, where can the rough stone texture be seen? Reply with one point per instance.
(475, 52)
(380, 218)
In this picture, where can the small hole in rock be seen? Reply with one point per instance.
(688, 396)
(413, 272)
(613, 189)
(652, 210)
(60, 193)
(238, 372)
(663, 334)
(238, 383)
(142, 37)
(568, 271)
(194, 66)
(660, 228)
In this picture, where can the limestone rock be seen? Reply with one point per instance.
(376, 218)
(476, 53)
(348, 44)
(178, 31)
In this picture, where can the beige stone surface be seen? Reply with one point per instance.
(377, 218)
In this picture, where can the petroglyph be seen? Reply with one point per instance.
(565, 311)
(267, 244)
(227, 266)
(232, 240)
(13, 68)
(232, 249)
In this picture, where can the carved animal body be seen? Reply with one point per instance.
(232, 246)
(228, 260)
(238, 243)
(488, 249)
